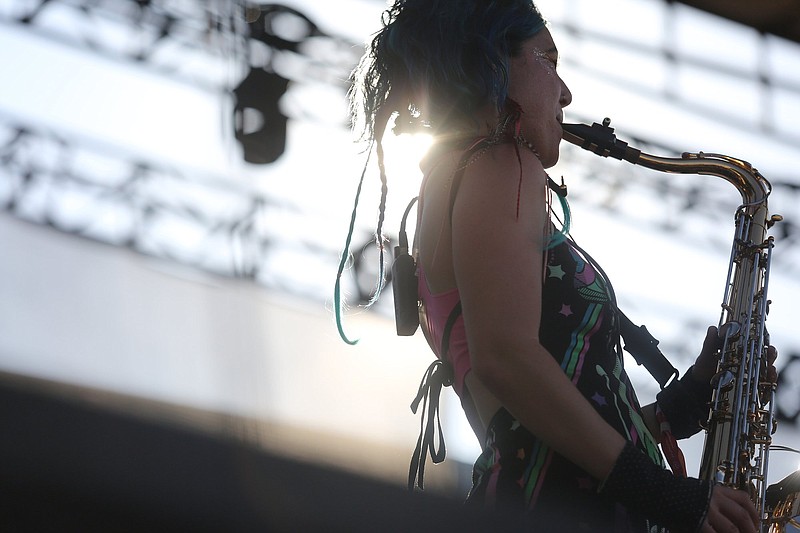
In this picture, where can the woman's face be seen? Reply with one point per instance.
(536, 86)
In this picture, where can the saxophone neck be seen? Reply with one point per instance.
(601, 140)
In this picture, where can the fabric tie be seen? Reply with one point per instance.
(438, 374)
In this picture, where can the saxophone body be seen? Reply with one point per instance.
(741, 419)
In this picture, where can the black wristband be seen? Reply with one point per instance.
(677, 503)
(685, 404)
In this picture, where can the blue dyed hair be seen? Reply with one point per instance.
(433, 63)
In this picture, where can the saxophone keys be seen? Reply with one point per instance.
(723, 380)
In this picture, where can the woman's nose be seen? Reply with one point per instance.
(566, 95)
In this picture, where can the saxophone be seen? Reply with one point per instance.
(741, 422)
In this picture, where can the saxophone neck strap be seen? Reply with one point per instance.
(644, 349)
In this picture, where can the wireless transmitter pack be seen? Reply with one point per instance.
(404, 283)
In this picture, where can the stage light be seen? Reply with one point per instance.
(260, 125)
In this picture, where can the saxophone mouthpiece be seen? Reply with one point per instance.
(600, 139)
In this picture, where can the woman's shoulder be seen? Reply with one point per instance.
(482, 176)
(505, 160)
(481, 152)
(503, 169)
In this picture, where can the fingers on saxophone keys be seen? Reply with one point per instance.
(772, 354)
(771, 370)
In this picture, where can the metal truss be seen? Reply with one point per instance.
(195, 41)
(203, 221)
(207, 43)
(773, 89)
(210, 222)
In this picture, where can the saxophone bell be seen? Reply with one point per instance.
(784, 500)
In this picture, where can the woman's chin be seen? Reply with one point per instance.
(549, 160)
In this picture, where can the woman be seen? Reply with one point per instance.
(535, 350)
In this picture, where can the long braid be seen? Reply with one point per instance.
(338, 302)
(381, 216)
(381, 122)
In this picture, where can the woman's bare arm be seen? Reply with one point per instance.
(498, 261)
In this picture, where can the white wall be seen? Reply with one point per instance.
(79, 312)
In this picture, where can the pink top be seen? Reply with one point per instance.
(437, 309)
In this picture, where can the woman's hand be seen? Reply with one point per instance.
(705, 366)
(730, 511)
(772, 372)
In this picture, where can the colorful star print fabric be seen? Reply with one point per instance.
(517, 470)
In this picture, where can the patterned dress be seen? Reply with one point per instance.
(516, 470)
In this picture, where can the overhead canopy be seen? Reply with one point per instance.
(777, 17)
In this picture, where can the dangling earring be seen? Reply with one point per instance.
(512, 115)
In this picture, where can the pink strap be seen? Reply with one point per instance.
(669, 444)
